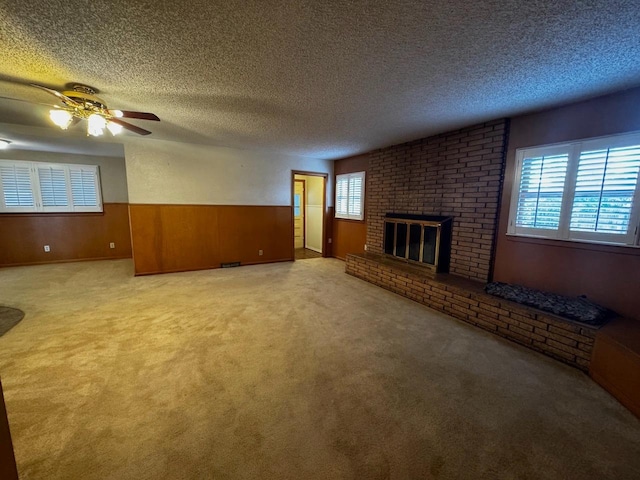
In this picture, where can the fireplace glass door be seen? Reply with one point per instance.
(419, 241)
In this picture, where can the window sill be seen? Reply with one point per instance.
(51, 214)
(349, 220)
(575, 244)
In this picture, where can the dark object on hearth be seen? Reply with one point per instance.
(574, 308)
(9, 318)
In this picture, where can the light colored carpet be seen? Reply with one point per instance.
(284, 371)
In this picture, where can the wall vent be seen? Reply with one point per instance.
(229, 264)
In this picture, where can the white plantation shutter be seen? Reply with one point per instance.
(342, 195)
(48, 187)
(581, 191)
(541, 190)
(53, 188)
(355, 196)
(16, 188)
(605, 187)
(84, 187)
(350, 196)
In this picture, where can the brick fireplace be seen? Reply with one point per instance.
(456, 174)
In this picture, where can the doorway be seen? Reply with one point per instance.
(309, 202)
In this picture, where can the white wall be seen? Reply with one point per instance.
(113, 176)
(160, 171)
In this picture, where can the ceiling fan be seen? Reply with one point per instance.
(81, 103)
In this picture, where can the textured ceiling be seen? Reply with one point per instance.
(316, 78)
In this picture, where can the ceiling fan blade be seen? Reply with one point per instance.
(140, 115)
(29, 101)
(128, 126)
(56, 93)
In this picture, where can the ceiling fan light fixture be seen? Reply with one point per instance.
(114, 128)
(82, 104)
(4, 144)
(61, 118)
(96, 124)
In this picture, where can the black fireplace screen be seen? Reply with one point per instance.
(424, 239)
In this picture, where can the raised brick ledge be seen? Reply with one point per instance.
(466, 300)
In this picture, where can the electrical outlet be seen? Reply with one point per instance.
(112, 245)
(365, 247)
(47, 248)
(330, 240)
(260, 252)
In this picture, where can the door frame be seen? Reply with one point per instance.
(325, 177)
(303, 206)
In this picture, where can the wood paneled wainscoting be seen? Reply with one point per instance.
(349, 236)
(174, 238)
(70, 236)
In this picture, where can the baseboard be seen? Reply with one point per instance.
(212, 267)
(51, 262)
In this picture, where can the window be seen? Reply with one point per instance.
(583, 191)
(296, 205)
(350, 196)
(48, 187)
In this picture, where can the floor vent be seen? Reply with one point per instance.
(230, 264)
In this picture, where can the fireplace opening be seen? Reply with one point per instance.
(419, 239)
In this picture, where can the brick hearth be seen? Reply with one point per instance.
(466, 300)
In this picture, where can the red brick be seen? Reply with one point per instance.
(563, 347)
(557, 338)
(515, 336)
(492, 320)
(487, 325)
(584, 364)
(575, 336)
(526, 333)
(555, 351)
(492, 309)
(586, 348)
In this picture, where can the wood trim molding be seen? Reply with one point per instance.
(201, 205)
(575, 245)
(96, 259)
(303, 205)
(60, 214)
(181, 270)
(325, 177)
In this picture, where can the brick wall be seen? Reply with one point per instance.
(563, 340)
(456, 174)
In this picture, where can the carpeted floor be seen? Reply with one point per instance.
(284, 371)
